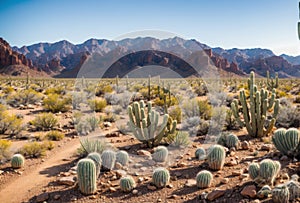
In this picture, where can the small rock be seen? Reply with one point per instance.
(174, 197)
(232, 162)
(143, 169)
(178, 174)
(266, 147)
(73, 199)
(1, 172)
(135, 192)
(151, 187)
(93, 197)
(182, 164)
(107, 124)
(140, 179)
(190, 183)
(225, 180)
(159, 200)
(215, 194)
(118, 165)
(284, 158)
(120, 173)
(144, 153)
(42, 197)
(66, 181)
(249, 191)
(169, 186)
(56, 197)
(112, 189)
(237, 173)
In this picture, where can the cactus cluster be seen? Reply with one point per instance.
(229, 140)
(294, 189)
(280, 194)
(127, 184)
(160, 154)
(216, 157)
(108, 159)
(122, 157)
(272, 82)
(200, 153)
(265, 172)
(204, 179)
(143, 122)
(255, 117)
(287, 141)
(96, 157)
(17, 161)
(86, 175)
(160, 177)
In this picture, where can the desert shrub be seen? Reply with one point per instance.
(4, 150)
(24, 97)
(217, 121)
(101, 90)
(56, 103)
(10, 123)
(56, 90)
(94, 122)
(289, 115)
(8, 90)
(230, 121)
(89, 146)
(175, 113)
(195, 126)
(97, 104)
(280, 93)
(109, 117)
(33, 150)
(122, 99)
(55, 135)
(83, 127)
(48, 145)
(195, 107)
(169, 102)
(297, 99)
(181, 139)
(45, 121)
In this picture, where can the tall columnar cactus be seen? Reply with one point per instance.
(17, 161)
(200, 153)
(149, 88)
(127, 184)
(204, 179)
(216, 157)
(86, 175)
(96, 157)
(280, 194)
(160, 177)
(122, 157)
(268, 170)
(253, 170)
(108, 159)
(160, 154)
(255, 109)
(272, 82)
(143, 122)
(287, 141)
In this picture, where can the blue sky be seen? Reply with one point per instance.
(232, 23)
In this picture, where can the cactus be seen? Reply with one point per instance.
(232, 141)
(268, 170)
(96, 157)
(17, 161)
(272, 82)
(264, 192)
(255, 110)
(127, 184)
(160, 177)
(200, 153)
(216, 157)
(287, 141)
(253, 170)
(149, 88)
(280, 194)
(294, 189)
(86, 175)
(160, 154)
(143, 122)
(122, 157)
(204, 179)
(108, 159)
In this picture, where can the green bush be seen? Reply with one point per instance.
(10, 123)
(175, 113)
(97, 104)
(33, 150)
(45, 121)
(4, 149)
(24, 97)
(55, 135)
(89, 146)
(55, 90)
(56, 103)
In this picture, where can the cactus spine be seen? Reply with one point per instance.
(86, 175)
(255, 110)
(280, 194)
(127, 184)
(122, 157)
(200, 153)
(160, 177)
(144, 124)
(204, 179)
(287, 141)
(160, 154)
(108, 159)
(216, 157)
(96, 157)
(17, 161)
(253, 170)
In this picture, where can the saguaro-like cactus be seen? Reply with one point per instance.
(272, 82)
(144, 124)
(255, 109)
(86, 173)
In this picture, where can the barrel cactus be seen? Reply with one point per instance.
(294, 189)
(253, 170)
(160, 154)
(268, 170)
(216, 157)
(287, 141)
(264, 192)
(96, 157)
(108, 159)
(122, 157)
(160, 177)
(204, 179)
(127, 184)
(17, 161)
(200, 153)
(86, 175)
(280, 194)
(232, 141)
